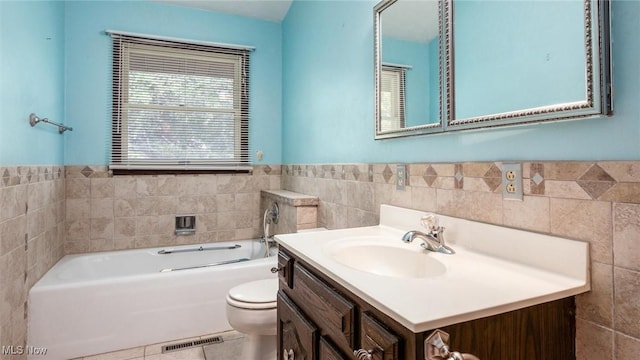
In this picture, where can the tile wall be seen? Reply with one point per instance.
(597, 202)
(46, 212)
(31, 241)
(106, 212)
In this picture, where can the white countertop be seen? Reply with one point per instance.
(494, 270)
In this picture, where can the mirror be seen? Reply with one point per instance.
(527, 61)
(447, 65)
(407, 54)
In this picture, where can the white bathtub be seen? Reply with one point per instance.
(94, 303)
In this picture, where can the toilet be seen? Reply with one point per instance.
(251, 310)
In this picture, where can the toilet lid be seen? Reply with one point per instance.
(260, 293)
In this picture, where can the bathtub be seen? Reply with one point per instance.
(93, 303)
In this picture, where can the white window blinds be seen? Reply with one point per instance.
(179, 106)
(392, 98)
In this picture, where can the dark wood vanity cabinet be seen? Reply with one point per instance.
(319, 319)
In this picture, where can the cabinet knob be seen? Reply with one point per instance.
(288, 355)
(277, 269)
(363, 354)
(436, 347)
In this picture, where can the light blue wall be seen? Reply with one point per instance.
(88, 52)
(31, 80)
(325, 49)
(328, 100)
(328, 82)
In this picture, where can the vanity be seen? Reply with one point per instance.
(362, 293)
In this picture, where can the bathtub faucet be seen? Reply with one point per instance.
(271, 216)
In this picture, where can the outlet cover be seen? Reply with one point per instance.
(401, 176)
(512, 181)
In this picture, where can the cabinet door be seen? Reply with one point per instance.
(328, 351)
(296, 334)
(374, 337)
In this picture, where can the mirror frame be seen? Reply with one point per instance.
(598, 101)
(599, 89)
(430, 128)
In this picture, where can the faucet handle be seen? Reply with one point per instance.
(430, 221)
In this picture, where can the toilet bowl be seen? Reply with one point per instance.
(251, 310)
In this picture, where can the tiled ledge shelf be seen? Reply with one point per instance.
(297, 211)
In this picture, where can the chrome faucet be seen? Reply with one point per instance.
(432, 240)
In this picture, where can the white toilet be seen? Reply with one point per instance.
(251, 310)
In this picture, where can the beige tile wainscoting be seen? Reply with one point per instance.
(32, 208)
(598, 202)
(122, 212)
(46, 212)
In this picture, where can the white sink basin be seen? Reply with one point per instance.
(494, 270)
(381, 257)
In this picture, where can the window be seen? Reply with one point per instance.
(392, 96)
(179, 106)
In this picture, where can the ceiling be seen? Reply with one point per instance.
(411, 20)
(271, 10)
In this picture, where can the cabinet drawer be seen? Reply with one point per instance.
(384, 344)
(334, 314)
(329, 352)
(285, 273)
(296, 334)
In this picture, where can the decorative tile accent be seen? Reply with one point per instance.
(458, 176)
(537, 178)
(86, 171)
(596, 181)
(387, 174)
(537, 183)
(596, 173)
(622, 171)
(430, 175)
(493, 183)
(595, 188)
(493, 178)
(493, 171)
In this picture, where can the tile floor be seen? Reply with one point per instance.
(229, 349)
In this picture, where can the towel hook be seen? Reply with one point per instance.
(33, 120)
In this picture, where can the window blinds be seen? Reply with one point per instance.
(178, 105)
(392, 98)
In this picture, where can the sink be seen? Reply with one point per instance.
(381, 257)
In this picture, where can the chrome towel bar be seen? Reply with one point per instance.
(33, 120)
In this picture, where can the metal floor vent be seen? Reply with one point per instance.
(190, 344)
